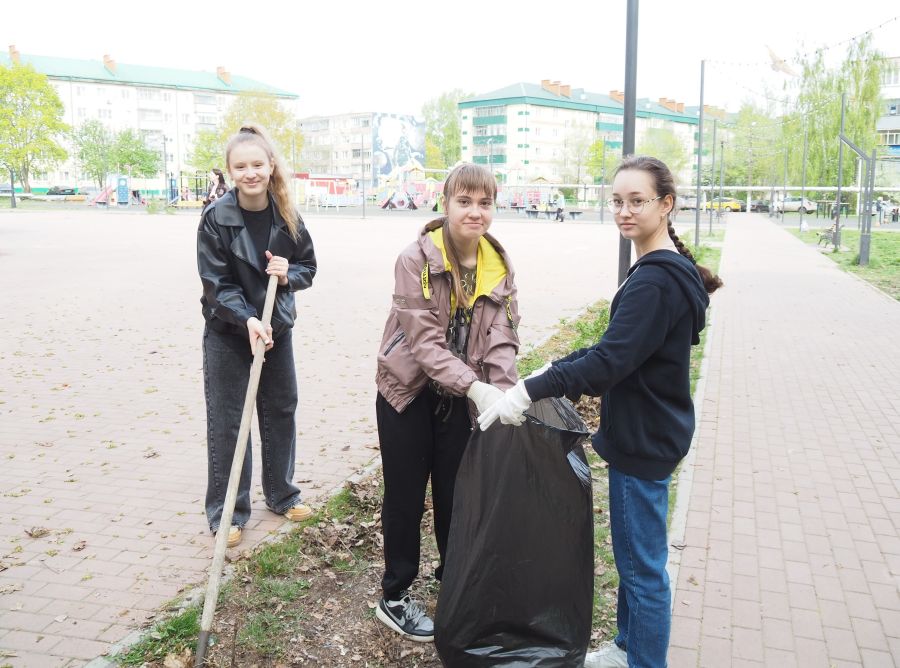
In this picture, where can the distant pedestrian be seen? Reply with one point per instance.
(641, 367)
(250, 233)
(217, 186)
(560, 208)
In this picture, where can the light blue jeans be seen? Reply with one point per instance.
(226, 373)
(637, 511)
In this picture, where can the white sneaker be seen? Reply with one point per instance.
(608, 656)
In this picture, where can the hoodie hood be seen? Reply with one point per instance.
(687, 278)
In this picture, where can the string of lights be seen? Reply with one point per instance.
(798, 58)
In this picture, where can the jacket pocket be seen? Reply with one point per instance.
(393, 344)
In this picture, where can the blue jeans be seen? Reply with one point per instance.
(226, 373)
(637, 512)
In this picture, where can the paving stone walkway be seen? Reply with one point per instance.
(102, 422)
(791, 550)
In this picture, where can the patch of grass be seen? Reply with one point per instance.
(286, 590)
(277, 559)
(584, 331)
(264, 632)
(167, 637)
(883, 270)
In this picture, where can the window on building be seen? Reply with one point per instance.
(481, 112)
(204, 98)
(147, 94)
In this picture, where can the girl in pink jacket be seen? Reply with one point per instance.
(450, 338)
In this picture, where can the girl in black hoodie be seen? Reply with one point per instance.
(641, 368)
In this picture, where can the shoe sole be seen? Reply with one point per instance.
(300, 518)
(234, 542)
(392, 625)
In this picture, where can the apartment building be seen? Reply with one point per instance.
(364, 146)
(167, 105)
(888, 125)
(527, 131)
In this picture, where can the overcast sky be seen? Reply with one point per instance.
(393, 56)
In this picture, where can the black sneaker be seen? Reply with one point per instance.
(407, 617)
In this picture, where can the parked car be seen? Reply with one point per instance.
(729, 203)
(791, 203)
(61, 190)
(687, 203)
(760, 205)
(5, 190)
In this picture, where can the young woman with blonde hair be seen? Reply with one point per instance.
(250, 233)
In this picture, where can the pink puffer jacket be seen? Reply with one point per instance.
(414, 345)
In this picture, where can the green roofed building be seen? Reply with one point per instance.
(527, 131)
(163, 103)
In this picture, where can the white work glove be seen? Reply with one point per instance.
(510, 409)
(484, 395)
(538, 372)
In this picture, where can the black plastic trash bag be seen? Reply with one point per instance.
(518, 586)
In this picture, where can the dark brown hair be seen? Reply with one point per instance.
(465, 178)
(664, 183)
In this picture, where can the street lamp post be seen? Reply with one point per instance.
(803, 226)
(699, 160)
(603, 179)
(362, 171)
(629, 115)
(712, 172)
(491, 158)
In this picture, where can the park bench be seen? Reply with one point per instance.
(574, 214)
(532, 213)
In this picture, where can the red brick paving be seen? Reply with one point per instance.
(102, 423)
(792, 555)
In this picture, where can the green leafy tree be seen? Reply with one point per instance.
(264, 109)
(442, 129)
(602, 161)
(30, 122)
(208, 151)
(815, 110)
(94, 146)
(663, 144)
(132, 154)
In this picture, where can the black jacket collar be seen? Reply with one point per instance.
(228, 214)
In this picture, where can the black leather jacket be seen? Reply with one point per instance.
(234, 283)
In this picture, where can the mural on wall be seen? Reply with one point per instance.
(397, 141)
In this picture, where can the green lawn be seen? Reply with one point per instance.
(883, 270)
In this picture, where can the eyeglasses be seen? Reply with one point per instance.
(635, 205)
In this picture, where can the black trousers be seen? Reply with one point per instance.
(427, 440)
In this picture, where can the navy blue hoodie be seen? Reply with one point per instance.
(641, 367)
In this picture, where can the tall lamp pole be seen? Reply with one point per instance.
(699, 160)
(628, 115)
(362, 170)
(712, 171)
(603, 179)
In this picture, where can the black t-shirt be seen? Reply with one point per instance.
(458, 331)
(259, 224)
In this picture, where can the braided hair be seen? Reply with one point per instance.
(664, 183)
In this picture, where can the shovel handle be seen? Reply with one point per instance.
(215, 570)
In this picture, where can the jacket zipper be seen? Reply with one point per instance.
(394, 343)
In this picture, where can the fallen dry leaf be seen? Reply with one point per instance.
(79, 546)
(37, 532)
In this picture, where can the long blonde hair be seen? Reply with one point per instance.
(279, 186)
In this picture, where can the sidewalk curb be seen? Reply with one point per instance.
(686, 473)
